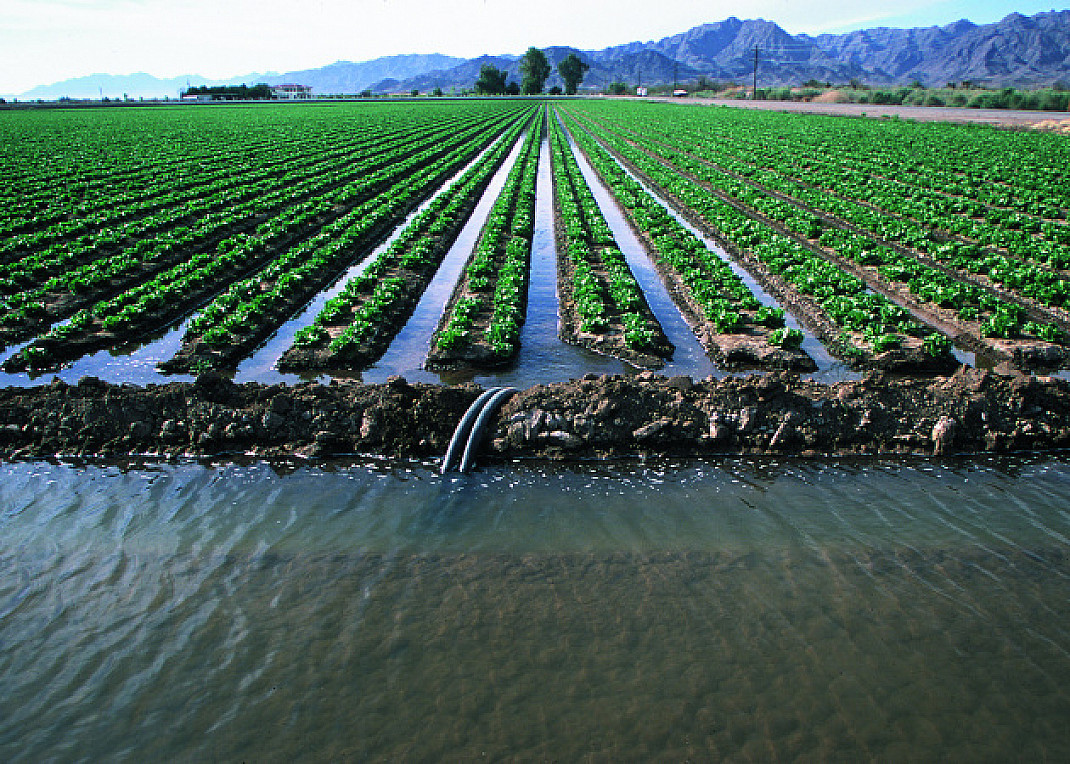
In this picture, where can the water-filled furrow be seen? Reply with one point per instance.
(260, 366)
(829, 369)
(689, 358)
(137, 362)
(543, 357)
(407, 352)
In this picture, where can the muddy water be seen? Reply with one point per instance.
(759, 610)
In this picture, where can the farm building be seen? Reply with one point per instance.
(291, 91)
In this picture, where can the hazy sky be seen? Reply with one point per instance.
(43, 41)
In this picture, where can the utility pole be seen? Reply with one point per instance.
(754, 90)
(674, 78)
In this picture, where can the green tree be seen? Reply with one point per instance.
(535, 69)
(572, 69)
(491, 81)
(512, 89)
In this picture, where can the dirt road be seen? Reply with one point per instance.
(998, 117)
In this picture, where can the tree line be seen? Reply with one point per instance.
(534, 71)
(259, 92)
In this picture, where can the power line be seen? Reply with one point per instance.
(754, 92)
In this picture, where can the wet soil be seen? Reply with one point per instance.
(970, 411)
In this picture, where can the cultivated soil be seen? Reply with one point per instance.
(970, 411)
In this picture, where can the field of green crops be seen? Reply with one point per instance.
(887, 240)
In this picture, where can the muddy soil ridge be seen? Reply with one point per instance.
(648, 414)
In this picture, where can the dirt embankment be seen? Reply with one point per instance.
(1009, 118)
(649, 414)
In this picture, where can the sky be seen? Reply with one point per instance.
(45, 41)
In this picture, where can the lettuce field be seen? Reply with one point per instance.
(318, 229)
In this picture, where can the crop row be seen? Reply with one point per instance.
(380, 200)
(66, 166)
(847, 229)
(320, 197)
(928, 284)
(602, 305)
(188, 192)
(867, 325)
(1023, 235)
(930, 223)
(56, 267)
(1019, 171)
(251, 309)
(481, 324)
(705, 286)
(356, 327)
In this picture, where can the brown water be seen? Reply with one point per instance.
(738, 609)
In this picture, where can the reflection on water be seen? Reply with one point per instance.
(741, 609)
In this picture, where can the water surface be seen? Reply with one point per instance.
(742, 609)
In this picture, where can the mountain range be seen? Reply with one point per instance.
(1018, 50)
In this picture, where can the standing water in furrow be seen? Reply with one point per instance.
(737, 331)
(356, 328)
(862, 327)
(543, 357)
(601, 304)
(177, 275)
(481, 324)
(238, 321)
(407, 352)
(262, 366)
(829, 368)
(689, 357)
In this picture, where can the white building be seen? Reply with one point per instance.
(291, 92)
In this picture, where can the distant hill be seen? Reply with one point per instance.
(644, 65)
(725, 51)
(348, 77)
(339, 77)
(139, 85)
(1018, 50)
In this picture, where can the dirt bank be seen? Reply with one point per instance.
(970, 411)
(996, 117)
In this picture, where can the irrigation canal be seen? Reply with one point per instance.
(763, 610)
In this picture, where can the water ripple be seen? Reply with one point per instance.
(739, 609)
